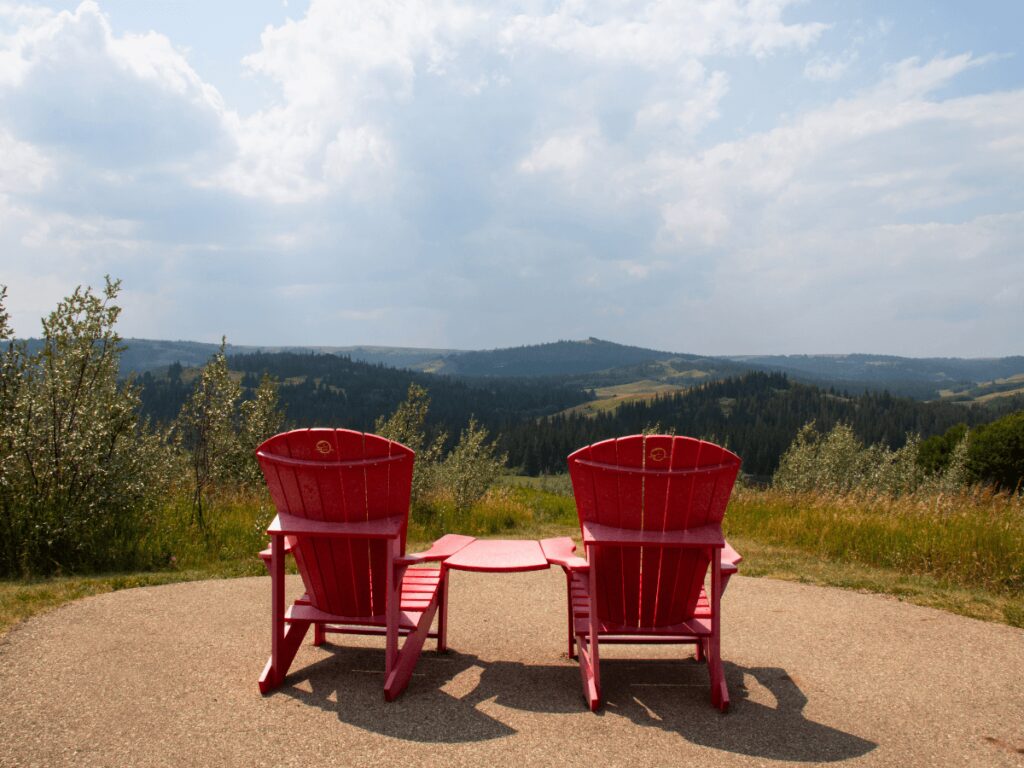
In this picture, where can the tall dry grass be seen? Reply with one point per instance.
(972, 537)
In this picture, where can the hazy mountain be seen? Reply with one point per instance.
(559, 358)
(936, 370)
(595, 363)
(923, 378)
(152, 354)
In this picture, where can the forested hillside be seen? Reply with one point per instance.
(594, 363)
(330, 390)
(556, 359)
(757, 415)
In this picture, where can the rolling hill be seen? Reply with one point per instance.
(603, 365)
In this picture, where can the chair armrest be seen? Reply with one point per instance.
(730, 559)
(703, 536)
(441, 549)
(265, 554)
(292, 525)
(559, 551)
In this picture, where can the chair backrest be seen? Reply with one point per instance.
(340, 475)
(651, 483)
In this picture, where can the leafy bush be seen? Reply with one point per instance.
(443, 489)
(472, 466)
(935, 453)
(407, 425)
(838, 463)
(996, 454)
(80, 477)
(218, 433)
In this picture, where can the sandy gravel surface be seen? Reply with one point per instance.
(166, 676)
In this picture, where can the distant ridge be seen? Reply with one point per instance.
(867, 367)
(596, 363)
(559, 358)
(142, 355)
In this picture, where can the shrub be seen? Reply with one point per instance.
(838, 463)
(79, 476)
(996, 454)
(218, 433)
(443, 491)
(407, 425)
(472, 466)
(935, 453)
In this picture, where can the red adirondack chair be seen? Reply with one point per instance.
(650, 510)
(342, 501)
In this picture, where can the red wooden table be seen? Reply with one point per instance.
(499, 556)
(515, 555)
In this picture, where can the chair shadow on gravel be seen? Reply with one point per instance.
(449, 692)
(674, 696)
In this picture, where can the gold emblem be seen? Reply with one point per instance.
(324, 447)
(659, 454)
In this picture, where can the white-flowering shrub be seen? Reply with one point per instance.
(79, 475)
(838, 463)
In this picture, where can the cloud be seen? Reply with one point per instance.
(561, 153)
(830, 154)
(828, 68)
(455, 174)
(121, 103)
(661, 33)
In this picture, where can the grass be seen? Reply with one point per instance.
(641, 387)
(790, 564)
(525, 511)
(963, 554)
(987, 391)
(973, 539)
(20, 600)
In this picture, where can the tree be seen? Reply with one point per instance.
(934, 454)
(407, 425)
(79, 473)
(472, 467)
(205, 429)
(996, 452)
(12, 369)
(260, 418)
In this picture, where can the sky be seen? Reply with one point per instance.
(719, 177)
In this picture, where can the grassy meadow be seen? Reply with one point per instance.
(961, 552)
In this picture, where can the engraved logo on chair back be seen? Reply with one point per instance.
(344, 476)
(651, 483)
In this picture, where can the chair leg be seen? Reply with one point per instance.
(590, 657)
(319, 634)
(719, 690)
(442, 612)
(284, 640)
(568, 600)
(590, 672)
(398, 676)
(275, 670)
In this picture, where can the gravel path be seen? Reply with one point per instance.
(166, 676)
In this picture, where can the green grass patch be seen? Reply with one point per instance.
(790, 564)
(20, 600)
(641, 387)
(236, 521)
(973, 540)
(513, 511)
